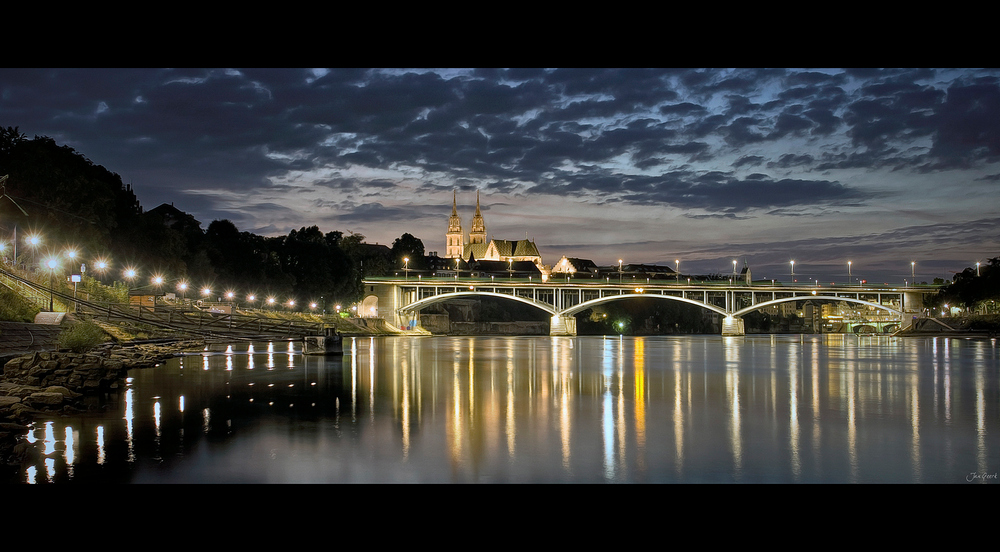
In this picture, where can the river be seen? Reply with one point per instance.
(695, 409)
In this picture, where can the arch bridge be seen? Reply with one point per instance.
(399, 300)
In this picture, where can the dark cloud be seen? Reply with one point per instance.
(620, 137)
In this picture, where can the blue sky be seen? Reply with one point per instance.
(877, 166)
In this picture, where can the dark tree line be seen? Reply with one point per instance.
(972, 287)
(59, 193)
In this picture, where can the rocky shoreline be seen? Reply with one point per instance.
(62, 383)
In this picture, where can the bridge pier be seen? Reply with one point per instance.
(562, 325)
(732, 326)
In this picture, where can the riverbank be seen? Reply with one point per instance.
(62, 383)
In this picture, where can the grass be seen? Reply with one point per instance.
(14, 308)
(82, 337)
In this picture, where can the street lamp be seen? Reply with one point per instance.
(52, 263)
(33, 241)
(619, 271)
(182, 287)
(734, 269)
(130, 274)
(677, 270)
(793, 271)
(849, 278)
(977, 268)
(406, 267)
(913, 267)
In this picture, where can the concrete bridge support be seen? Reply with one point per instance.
(732, 325)
(562, 325)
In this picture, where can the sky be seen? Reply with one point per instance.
(879, 167)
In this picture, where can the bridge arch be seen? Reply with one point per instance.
(417, 305)
(832, 298)
(587, 304)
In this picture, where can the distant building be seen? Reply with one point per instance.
(476, 248)
(573, 267)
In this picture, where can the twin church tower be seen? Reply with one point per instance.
(477, 248)
(456, 238)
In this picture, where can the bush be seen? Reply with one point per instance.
(82, 337)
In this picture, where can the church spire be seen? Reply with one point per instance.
(455, 236)
(478, 232)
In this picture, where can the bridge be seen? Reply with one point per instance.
(399, 300)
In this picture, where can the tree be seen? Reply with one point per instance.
(408, 247)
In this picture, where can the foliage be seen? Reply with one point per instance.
(408, 247)
(82, 337)
(970, 289)
(74, 202)
(14, 308)
(93, 290)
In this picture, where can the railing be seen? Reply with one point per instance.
(183, 320)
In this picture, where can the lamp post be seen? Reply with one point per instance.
(182, 287)
(734, 269)
(619, 271)
(52, 263)
(130, 274)
(677, 270)
(406, 267)
(913, 267)
(33, 241)
(793, 271)
(977, 268)
(849, 278)
(157, 281)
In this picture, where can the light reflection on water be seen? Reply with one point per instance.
(834, 408)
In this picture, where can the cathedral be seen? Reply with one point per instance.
(477, 248)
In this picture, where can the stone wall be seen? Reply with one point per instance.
(54, 383)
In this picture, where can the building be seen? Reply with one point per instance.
(476, 248)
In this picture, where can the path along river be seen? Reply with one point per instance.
(696, 409)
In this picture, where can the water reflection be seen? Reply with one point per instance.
(835, 408)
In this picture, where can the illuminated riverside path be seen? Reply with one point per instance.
(398, 300)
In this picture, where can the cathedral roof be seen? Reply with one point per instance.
(519, 248)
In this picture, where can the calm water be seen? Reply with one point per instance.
(701, 409)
